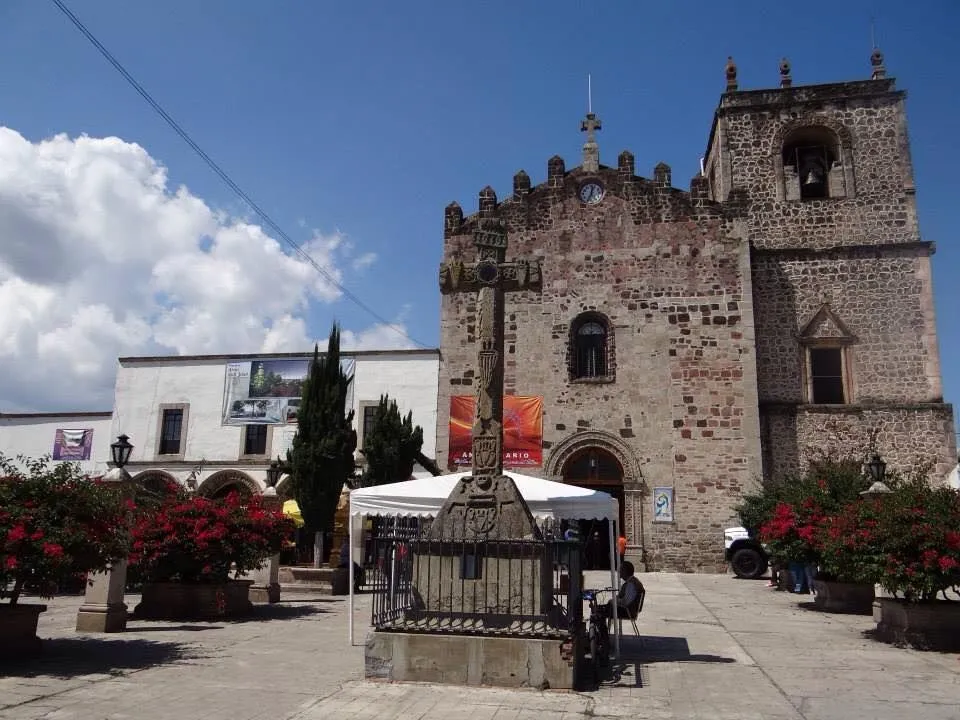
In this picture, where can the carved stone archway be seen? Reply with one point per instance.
(573, 444)
(151, 479)
(223, 479)
(634, 487)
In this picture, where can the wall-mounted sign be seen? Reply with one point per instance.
(267, 392)
(663, 504)
(73, 444)
(522, 430)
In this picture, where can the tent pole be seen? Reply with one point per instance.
(350, 563)
(614, 571)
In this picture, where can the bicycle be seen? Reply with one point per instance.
(597, 633)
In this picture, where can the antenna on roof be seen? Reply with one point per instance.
(873, 34)
(589, 94)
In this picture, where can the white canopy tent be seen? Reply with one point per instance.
(424, 497)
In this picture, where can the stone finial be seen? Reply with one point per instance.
(555, 171)
(876, 62)
(521, 184)
(785, 79)
(662, 175)
(452, 219)
(625, 163)
(699, 188)
(731, 71)
(488, 201)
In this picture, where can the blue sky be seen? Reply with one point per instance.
(369, 117)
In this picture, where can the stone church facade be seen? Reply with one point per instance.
(701, 340)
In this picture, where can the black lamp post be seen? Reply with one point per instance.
(276, 469)
(877, 469)
(120, 451)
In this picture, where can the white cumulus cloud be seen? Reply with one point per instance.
(100, 257)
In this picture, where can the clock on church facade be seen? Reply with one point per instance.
(700, 340)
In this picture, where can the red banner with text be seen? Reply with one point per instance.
(522, 430)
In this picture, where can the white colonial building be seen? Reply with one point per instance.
(80, 437)
(214, 422)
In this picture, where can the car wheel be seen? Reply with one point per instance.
(748, 563)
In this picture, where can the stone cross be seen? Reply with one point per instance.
(590, 126)
(481, 503)
(591, 150)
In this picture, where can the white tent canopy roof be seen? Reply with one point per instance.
(425, 497)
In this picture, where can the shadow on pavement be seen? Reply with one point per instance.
(649, 649)
(636, 652)
(72, 657)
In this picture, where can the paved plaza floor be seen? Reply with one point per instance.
(710, 647)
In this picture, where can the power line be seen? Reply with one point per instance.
(221, 173)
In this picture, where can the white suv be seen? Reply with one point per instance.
(745, 554)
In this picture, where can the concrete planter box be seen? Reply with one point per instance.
(194, 601)
(18, 630)
(922, 626)
(841, 597)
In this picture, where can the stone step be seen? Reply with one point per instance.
(293, 575)
(305, 589)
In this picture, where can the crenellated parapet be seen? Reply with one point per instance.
(647, 200)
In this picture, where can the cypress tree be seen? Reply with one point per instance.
(393, 445)
(321, 456)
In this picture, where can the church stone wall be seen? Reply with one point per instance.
(678, 298)
(910, 436)
(869, 121)
(882, 300)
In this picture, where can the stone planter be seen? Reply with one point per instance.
(922, 626)
(841, 597)
(18, 629)
(194, 601)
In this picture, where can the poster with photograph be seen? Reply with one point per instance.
(267, 392)
(73, 444)
(522, 430)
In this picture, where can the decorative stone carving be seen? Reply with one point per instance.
(486, 504)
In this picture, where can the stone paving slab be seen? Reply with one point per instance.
(710, 647)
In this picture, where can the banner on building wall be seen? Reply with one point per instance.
(267, 392)
(73, 444)
(522, 430)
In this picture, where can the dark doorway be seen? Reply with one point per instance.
(596, 469)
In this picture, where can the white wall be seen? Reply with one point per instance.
(32, 434)
(411, 380)
(144, 385)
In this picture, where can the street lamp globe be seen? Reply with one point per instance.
(120, 451)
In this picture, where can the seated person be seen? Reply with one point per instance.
(628, 598)
(358, 574)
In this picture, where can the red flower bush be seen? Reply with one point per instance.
(199, 540)
(55, 524)
(919, 541)
(848, 542)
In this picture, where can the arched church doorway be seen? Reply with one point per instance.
(596, 469)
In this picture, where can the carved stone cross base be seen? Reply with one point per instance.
(484, 508)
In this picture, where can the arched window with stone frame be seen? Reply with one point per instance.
(814, 164)
(591, 348)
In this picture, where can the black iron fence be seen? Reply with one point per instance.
(526, 588)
